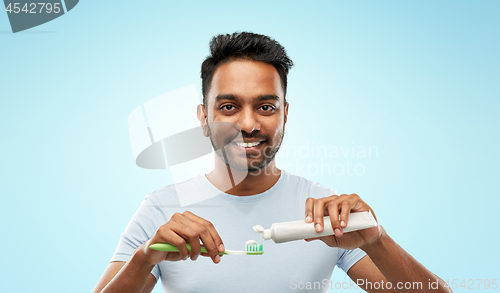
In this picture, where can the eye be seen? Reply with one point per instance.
(228, 109)
(267, 108)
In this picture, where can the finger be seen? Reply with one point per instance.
(319, 212)
(208, 225)
(189, 235)
(173, 235)
(350, 202)
(189, 230)
(358, 204)
(205, 236)
(309, 209)
(333, 212)
(209, 244)
(164, 234)
(345, 209)
(180, 243)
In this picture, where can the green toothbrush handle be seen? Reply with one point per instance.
(173, 248)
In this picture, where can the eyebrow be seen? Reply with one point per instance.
(235, 98)
(229, 97)
(268, 97)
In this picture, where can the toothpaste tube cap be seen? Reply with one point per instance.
(265, 234)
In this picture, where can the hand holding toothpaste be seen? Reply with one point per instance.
(338, 207)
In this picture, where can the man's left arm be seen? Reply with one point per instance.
(385, 262)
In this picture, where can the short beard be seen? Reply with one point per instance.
(268, 157)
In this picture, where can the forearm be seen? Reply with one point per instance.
(132, 277)
(400, 268)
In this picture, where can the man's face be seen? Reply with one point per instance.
(249, 95)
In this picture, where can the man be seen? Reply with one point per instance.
(244, 84)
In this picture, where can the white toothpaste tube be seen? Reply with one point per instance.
(297, 230)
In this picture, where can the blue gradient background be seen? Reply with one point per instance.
(418, 80)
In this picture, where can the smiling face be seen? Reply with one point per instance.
(248, 94)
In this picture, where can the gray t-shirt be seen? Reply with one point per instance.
(279, 269)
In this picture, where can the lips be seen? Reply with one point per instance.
(248, 144)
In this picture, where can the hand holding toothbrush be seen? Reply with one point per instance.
(182, 229)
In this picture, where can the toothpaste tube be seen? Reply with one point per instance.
(296, 230)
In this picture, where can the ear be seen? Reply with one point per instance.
(286, 111)
(202, 116)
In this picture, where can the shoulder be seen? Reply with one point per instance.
(168, 196)
(312, 188)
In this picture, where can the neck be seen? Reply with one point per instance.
(243, 183)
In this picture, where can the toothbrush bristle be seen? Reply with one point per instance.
(254, 249)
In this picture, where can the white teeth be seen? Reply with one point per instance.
(248, 145)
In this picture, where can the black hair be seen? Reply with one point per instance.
(244, 45)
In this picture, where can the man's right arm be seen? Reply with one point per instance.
(131, 276)
(135, 275)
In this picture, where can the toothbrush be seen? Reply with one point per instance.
(251, 248)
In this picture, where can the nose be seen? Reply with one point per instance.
(248, 122)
